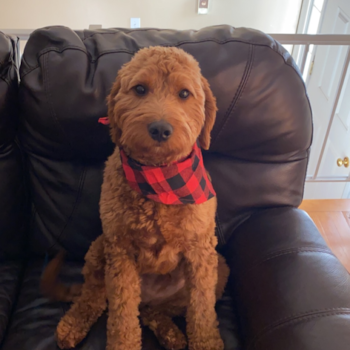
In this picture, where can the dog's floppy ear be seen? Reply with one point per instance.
(114, 128)
(210, 115)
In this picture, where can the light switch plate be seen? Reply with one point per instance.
(203, 6)
(135, 22)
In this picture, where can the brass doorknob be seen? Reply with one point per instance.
(344, 162)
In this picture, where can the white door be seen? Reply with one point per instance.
(331, 107)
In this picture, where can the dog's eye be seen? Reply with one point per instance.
(140, 89)
(184, 94)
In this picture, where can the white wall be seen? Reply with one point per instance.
(271, 16)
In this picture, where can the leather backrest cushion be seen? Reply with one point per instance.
(12, 223)
(260, 141)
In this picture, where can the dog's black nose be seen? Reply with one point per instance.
(160, 130)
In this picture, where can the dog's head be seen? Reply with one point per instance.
(159, 105)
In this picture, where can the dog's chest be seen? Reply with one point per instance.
(160, 234)
(154, 253)
(158, 239)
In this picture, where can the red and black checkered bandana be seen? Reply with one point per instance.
(183, 182)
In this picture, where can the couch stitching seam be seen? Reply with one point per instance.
(235, 96)
(298, 318)
(5, 80)
(239, 92)
(291, 251)
(29, 71)
(126, 32)
(49, 100)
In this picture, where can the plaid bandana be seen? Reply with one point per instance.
(183, 182)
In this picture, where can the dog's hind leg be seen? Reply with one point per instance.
(89, 306)
(166, 331)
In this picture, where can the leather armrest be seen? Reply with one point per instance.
(291, 292)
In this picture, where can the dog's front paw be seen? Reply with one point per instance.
(69, 333)
(172, 339)
(206, 342)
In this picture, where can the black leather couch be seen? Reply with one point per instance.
(13, 218)
(287, 290)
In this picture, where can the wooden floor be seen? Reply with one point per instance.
(332, 217)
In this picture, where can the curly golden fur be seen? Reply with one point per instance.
(153, 260)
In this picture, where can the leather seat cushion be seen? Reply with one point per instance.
(35, 318)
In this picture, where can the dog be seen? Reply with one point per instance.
(156, 257)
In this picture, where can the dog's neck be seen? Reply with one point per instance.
(153, 165)
(182, 182)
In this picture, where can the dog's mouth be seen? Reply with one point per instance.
(136, 163)
(147, 158)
